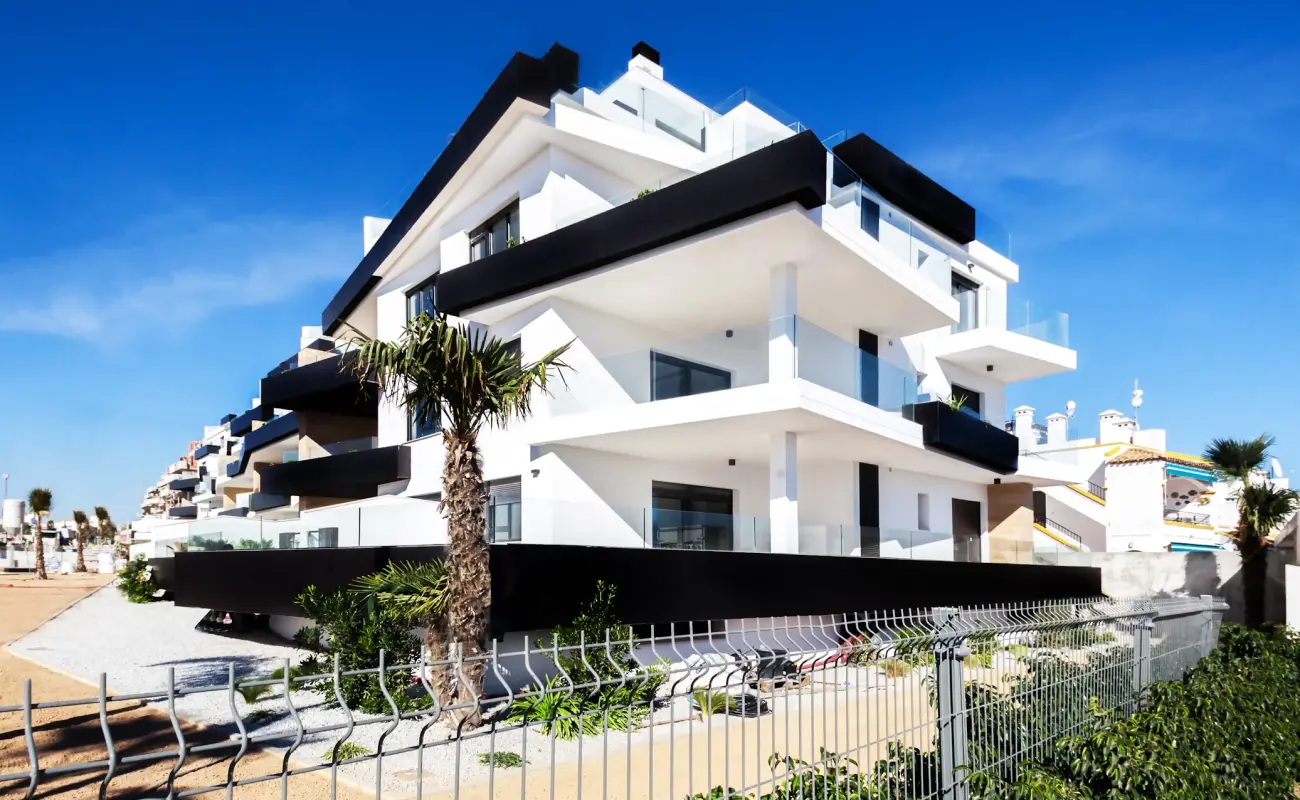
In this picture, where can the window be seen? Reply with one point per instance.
(420, 424)
(870, 218)
(495, 235)
(923, 512)
(967, 293)
(504, 504)
(972, 401)
(676, 377)
(691, 517)
(423, 299)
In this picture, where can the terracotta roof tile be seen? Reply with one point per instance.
(1142, 455)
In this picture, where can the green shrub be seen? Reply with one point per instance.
(344, 627)
(610, 691)
(504, 758)
(253, 694)
(346, 750)
(254, 544)
(136, 582)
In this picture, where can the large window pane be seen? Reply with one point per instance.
(676, 377)
(967, 293)
(692, 517)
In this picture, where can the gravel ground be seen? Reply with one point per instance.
(137, 644)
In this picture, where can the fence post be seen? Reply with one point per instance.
(1142, 654)
(1207, 625)
(950, 687)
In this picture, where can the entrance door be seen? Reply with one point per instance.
(691, 517)
(966, 527)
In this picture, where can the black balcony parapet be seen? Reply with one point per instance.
(968, 437)
(269, 433)
(183, 512)
(242, 424)
(527, 78)
(183, 484)
(264, 501)
(355, 475)
(238, 511)
(908, 188)
(328, 385)
(790, 171)
(206, 450)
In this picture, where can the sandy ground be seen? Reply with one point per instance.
(69, 735)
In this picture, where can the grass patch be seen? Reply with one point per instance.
(504, 759)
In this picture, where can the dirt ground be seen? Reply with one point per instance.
(72, 734)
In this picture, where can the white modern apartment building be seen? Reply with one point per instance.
(1137, 496)
(765, 327)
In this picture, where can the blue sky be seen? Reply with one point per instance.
(182, 186)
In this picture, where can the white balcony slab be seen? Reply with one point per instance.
(1013, 356)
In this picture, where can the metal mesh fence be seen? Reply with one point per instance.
(923, 703)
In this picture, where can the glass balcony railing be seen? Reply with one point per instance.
(1026, 319)
(992, 234)
(736, 358)
(857, 211)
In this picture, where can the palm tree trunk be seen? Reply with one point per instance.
(1254, 580)
(40, 551)
(437, 647)
(81, 548)
(468, 569)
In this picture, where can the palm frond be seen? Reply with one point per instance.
(39, 501)
(409, 590)
(79, 517)
(1237, 458)
(465, 375)
(101, 514)
(1265, 508)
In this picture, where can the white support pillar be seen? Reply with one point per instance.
(782, 349)
(783, 467)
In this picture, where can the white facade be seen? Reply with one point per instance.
(776, 302)
(1137, 495)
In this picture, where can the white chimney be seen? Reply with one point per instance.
(1024, 424)
(646, 59)
(1107, 432)
(371, 229)
(1058, 428)
(310, 333)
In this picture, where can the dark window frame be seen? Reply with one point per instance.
(972, 287)
(656, 357)
(689, 515)
(974, 404)
(483, 233)
(416, 296)
(414, 431)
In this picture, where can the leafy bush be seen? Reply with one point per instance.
(612, 691)
(346, 750)
(253, 694)
(504, 758)
(254, 544)
(344, 627)
(205, 543)
(135, 581)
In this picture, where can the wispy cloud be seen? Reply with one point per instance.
(171, 273)
(1147, 147)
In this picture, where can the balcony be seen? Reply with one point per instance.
(355, 473)
(238, 511)
(328, 385)
(183, 512)
(183, 484)
(243, 424)
(265, 501)
(1180, 517)
(1033, 344)
(206, 450)
(271, 433)
(968, 437)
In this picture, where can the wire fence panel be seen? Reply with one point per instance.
(923, 703)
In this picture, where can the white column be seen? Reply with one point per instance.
(783, 468)
(782, 350)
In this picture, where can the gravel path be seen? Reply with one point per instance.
(137, 644)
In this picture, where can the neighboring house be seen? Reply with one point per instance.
(764, 329)
(1137, 495)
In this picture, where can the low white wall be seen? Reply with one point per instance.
(1292, 579)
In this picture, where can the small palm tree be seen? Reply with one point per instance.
(416, 593)
(1261, 509)
(101, 515)
(82, 521)
(444, 372)
(39, 502)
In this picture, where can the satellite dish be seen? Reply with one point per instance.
(1277, 468)
(1069, 408)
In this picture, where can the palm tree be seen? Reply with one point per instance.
(101, 514)
(82, 521)
(1261, 509)
(443, 372)
(39, 502)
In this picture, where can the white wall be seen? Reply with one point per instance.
(900, 536)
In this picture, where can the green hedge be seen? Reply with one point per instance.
(1230, 729)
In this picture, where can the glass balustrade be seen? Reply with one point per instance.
(1045, 325)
